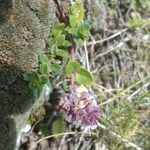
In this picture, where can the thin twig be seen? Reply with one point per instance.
(55, 135)
(108, 38)
(111, 50)
(86, 56)
(62, 142)
(72, 51)
(80, 141)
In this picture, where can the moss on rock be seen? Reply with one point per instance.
(24, 26)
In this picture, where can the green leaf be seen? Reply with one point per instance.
(72, 66)
(78, 41)
(44, 69)
(43, 59)
(67, 43)
(33, 85)
(56, 68)
(57, 30)
(51, 41)
(60, 40)
(83, 29)
(73, 22)
(30, 76)
(62, 53)
(58, 125)
(84, 77)
(43, 80)
(54, 48)
(76, 13)
(71, 30)
(37, 92)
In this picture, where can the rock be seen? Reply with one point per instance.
(24, 27)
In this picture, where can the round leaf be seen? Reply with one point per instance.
(43, 58)
(30, 76)
(56, 68)
(62, 53)
(43, 80)
(84, 77)
(44, 69)
(58, 126)
(72, 66)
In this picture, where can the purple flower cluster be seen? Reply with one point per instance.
(80, 108)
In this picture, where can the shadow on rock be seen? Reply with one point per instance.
(15, 99)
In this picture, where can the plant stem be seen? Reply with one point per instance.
(72, 53)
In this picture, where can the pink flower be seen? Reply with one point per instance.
(80, 107)
(87, 117)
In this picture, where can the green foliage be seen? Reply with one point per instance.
(62, 53)
(136, 21)
(72, 67)
(78, 28)
(58, 125)
(44, 68)
(39, 79)
(56, 68)
(84, 77)
(57, 30)
(142, 3)
(43, 59)
(36, 82)
(29, 76)
(63, 38)
(76, 13)
(83, 29)
(44, 64)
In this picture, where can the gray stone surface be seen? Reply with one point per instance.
(24, 26)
